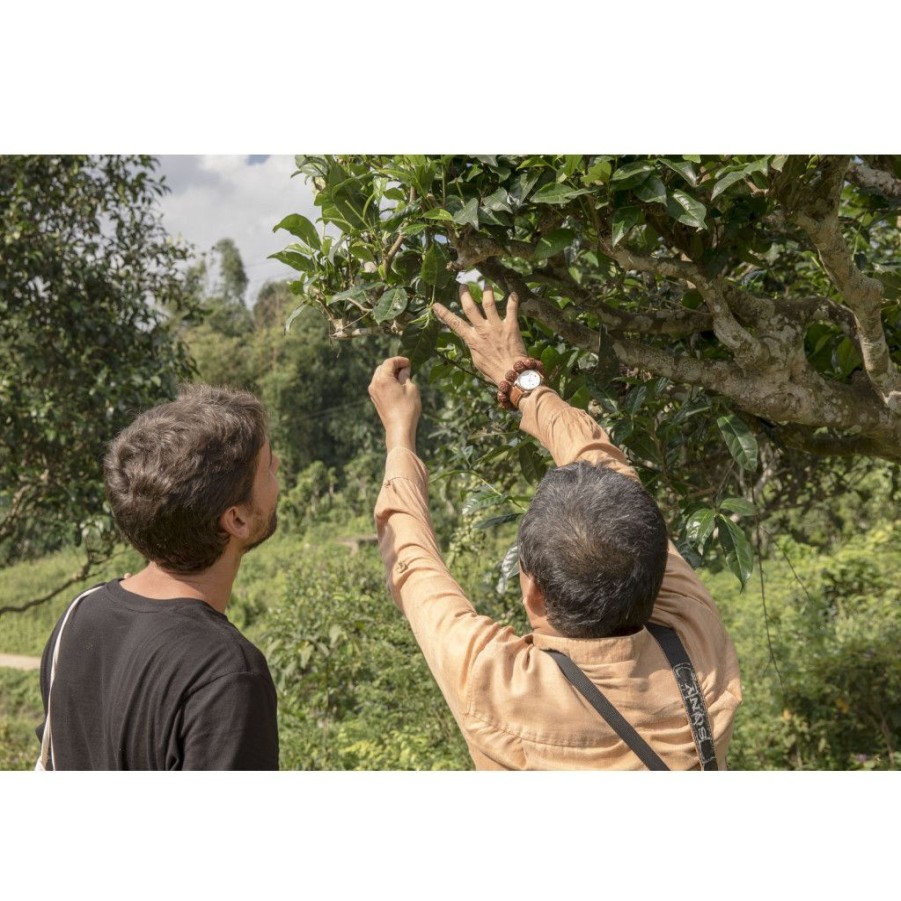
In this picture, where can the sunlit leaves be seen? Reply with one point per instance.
(558, 194)
(738, 505)
(468, 214)
(699, 525)
(631, 174)
(726, 181)
(390, 305)
(300, 227)
(684, 168)
(685, 209)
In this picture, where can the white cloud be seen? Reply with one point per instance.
(214, 197)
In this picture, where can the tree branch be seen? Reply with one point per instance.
(824, 444)
(395, 247)
(862, 294)
(778, 395)
(875, 181)
(82, 574)
(726, 327)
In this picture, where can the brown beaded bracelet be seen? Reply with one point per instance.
(505, 385)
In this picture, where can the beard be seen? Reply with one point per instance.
(265, 530)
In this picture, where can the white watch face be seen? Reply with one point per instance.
(528, 380)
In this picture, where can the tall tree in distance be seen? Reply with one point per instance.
(88, 282)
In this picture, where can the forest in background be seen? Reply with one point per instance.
(817, 636)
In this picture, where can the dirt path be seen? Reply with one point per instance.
(17, 661)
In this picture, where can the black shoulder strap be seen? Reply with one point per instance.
(600, 703)
(692, 696)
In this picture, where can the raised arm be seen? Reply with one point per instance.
(569, 434)
(449, 631)
(496, 345)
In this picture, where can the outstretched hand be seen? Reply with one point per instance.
(495, 343)
(397, 402)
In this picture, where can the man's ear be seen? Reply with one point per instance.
(236, 521)
(532, 598)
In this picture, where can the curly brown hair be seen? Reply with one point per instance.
(178, 467)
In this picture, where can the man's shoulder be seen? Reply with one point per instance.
(180, 629)
(211, 635)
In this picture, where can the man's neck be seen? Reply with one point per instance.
(213, 586)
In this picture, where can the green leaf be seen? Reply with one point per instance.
(598, 173)
(739, 439)
(642, 447)
(531, 462)
(736, 548)
(557, 194)
(631, 174)
(510, 563)
(300, 227)
(498, 202)
(570, 164)
(391, 304)
(685, 209)
(625, 219)
(847, 357)
(758, 165)
(684, 168)
(778, 162)
(468, 214)
(294, 314)
(359, 291)
(294, 260)
(413, 228)
(699, 525)
(738, 505)
(418, 344)
(522, 186)
(553, 243)
(497, 520)
(434, 263)
(691, 158)
(652, 190)
(725, 182)
(483, 499)
(440, 214)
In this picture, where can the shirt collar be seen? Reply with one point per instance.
(595, 650)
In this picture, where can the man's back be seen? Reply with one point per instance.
(147, 684)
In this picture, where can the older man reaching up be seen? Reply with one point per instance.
(628, 664)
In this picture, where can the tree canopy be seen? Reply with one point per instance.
(728, 316)
(88, 277)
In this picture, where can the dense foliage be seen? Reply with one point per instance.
(718, 313)
(87, 275)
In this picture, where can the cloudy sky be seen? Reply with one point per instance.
(237, 197)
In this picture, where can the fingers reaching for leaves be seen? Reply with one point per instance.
(494, 343)
(396, 400)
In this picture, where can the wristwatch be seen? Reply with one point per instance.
(526, 382)
(525, 376)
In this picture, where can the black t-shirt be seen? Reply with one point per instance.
(145, 684)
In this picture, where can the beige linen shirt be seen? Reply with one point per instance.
(515, 708)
